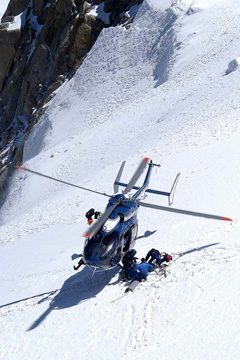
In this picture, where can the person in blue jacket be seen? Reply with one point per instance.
(140, 271)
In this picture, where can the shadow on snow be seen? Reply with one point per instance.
(146, 234)
(76, 289)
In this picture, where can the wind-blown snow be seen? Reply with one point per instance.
(16, 24)
(99, 13)
(159, 89)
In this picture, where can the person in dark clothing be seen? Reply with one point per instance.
(155, 257)
(166, 257)
(128, 261)
(89, 215)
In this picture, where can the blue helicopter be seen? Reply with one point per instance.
(115, 231)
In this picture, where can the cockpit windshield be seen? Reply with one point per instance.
(109, 246)
(103, 248)
(91, 246)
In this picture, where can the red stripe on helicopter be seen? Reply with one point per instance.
(226, 219)
(88, 234)
(20, 167)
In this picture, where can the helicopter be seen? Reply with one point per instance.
(115, 231)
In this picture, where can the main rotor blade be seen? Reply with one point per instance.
(99, 223)
(116, 186)
(61, 181)
(136, 175)
(184, 212)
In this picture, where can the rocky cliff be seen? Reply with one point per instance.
(42, 44)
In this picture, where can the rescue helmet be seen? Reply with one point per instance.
(143, 259)
(152, 251)
(168, 257)
(133, 252)
(90, 221)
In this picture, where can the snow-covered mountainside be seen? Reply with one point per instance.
(44, 43)
(162, 89)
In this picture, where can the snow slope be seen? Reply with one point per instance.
(159, 89)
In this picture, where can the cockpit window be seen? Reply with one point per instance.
(114, 236)
(91, 245)
(109, 246)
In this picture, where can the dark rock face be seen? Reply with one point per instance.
(45, 46)
(15, 7)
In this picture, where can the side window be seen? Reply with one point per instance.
(134, 231)
(129, 236)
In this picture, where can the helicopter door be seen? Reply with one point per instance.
(130, 237)
(134, 231)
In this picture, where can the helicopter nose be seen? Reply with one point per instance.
(91, 255)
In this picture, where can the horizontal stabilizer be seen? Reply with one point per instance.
(157, 192)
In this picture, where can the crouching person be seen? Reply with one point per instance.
(129, 260)
(156, 258)
(140, 272)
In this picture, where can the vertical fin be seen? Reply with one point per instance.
(171, 195)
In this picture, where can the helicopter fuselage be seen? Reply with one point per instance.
(118, 235)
